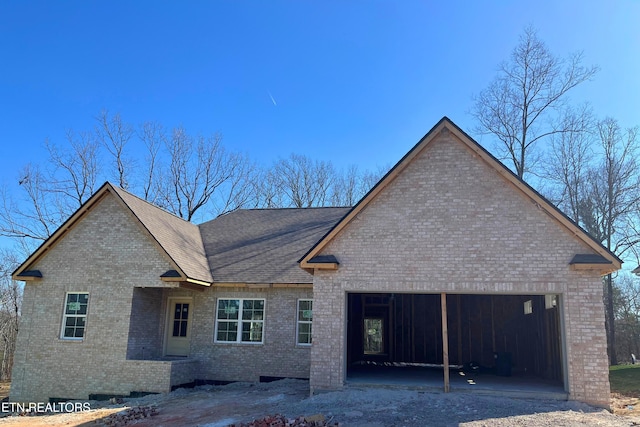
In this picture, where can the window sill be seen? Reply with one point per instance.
(236, 343)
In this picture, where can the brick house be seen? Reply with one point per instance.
(450, 261)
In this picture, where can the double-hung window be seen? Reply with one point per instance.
(74, 317)
(240, 320)
(305, 318)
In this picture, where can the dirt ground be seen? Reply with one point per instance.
(4, 389)
(218, 406)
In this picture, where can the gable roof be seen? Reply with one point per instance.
(178, 239)
(612, 262)
(262, 246)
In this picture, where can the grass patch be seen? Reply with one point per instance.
(625, 379)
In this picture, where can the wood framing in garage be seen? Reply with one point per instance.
(506, 335)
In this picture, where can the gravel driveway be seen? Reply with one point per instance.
(217, 406)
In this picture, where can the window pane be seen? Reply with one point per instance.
(227, 331)
(252, 331)
(304, 333)
(185, 311)
(176, 328)
(68, 332)
(304, 328)
(82, 309)
(228, 309)
(252, 310)
(72, 307)
(183, 328)
(304, 338)
(79, 332)
(305, 312)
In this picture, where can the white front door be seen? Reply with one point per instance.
(178, 326)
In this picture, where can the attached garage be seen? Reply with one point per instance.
(451, 233)
(401, 336)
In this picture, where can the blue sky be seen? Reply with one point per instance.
(357, 82)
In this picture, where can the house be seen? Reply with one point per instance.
(450, 261)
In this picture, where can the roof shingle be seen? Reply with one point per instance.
(264, 245)
(179, 238)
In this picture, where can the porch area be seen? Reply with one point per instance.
(159, 376)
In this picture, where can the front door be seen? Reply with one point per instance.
(178, 327)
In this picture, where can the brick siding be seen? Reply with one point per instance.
(108, 255)
(450, 223)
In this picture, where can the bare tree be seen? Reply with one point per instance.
(347, 188)
(239, 190)
(75, 169)
(44, 198)
(266, 191)
(153, 136)
(568, 164)
(197, 168)
(10, 303)
(626, 303)
(114, 135)
(613, 203)
(519, 105)
(30, 216)
(351, 185)
(303, 182)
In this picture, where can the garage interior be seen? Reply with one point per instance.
(495, 342)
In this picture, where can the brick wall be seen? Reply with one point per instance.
(108, 255)
(450, 223)
(105, 254)
(278, 356)
(146, 324)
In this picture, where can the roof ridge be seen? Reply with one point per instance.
(293, 208)
(117, 188)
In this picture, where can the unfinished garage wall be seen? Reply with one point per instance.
(451, 223)
(481, 330)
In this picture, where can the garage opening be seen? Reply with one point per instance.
(499, 342)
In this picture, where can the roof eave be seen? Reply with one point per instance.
(602, 269)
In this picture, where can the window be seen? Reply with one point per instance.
(75, 315)
(180, 319)
(305, 318)
(373, 335)
(240, 320)
(550, 301)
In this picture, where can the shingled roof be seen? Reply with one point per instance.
(263, 245)
(180, 239)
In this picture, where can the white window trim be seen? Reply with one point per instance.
(65, 315)
(298, 322)
(240, 321)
